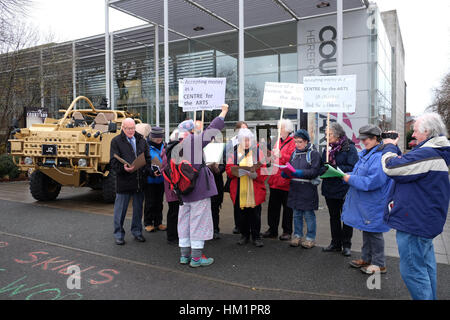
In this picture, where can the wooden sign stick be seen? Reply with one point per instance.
(279, 129)
(203, 118)
(328, 136)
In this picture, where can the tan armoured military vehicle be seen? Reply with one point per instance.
(72, 151)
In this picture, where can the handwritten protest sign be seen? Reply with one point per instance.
(201, 93)
(330, 93)
(283, 95)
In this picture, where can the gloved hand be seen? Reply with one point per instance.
(298, 173)
(284, 175)
(253, 175)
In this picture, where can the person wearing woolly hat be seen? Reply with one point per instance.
(154, 187)
(195, 224)
(303, 197)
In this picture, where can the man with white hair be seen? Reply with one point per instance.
(128, 145)
(418, 202)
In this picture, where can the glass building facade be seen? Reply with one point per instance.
(272, 53)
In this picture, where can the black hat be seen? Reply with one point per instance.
(368, 131)
(157, 132)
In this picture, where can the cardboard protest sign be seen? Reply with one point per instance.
(201, 93)
(283, 95)
(330, 94)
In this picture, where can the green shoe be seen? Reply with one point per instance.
(184, 260)
(202, 262)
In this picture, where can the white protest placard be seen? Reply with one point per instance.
(283, 95)
(201, 93)
(330, 94)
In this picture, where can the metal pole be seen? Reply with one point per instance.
(241, 62)
(156, 47)
(41, 78)
(166, 69)
(107, 58)
(340, 45)
(74, 71)
(299, 73)
(111, 77)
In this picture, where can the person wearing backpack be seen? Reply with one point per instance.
(194, 184)
(247, 187)
(154, 187)
(303, 196)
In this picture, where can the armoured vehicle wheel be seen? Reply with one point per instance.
(109, 187)
(42, 187)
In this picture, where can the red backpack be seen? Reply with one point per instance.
(181, 177)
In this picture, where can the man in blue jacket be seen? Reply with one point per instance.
(418, 201)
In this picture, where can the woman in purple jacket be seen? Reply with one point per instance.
(195, 223)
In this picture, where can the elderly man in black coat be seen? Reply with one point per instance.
(128, 145)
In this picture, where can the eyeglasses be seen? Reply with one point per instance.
(129, 128)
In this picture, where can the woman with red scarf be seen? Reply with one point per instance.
(342, 154)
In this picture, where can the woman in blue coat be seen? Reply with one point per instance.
(366, 200)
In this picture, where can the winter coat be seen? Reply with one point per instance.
(155, 153)
(259, 186)
(129, 182)
(420, 197)
(346, 158)
(276, 181)
(367, 196)
(304, 195)
(191, 149)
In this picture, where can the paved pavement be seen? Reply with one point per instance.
(39, 240)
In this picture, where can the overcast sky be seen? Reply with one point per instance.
(425, 27)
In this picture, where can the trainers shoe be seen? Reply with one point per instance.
(308, 244)
(359, 263)
(202, 262)
(150, 229)
(371, 269)
(295, 242)
(185, 260)
(258, 243)
(162, 227)
(269, 234)
(285, 237)
(243, 240)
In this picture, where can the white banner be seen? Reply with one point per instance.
(201, 93)
(330, 93)
(283, 95)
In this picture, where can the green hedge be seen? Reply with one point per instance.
(7, 167)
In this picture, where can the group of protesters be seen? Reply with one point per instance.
(379, 189)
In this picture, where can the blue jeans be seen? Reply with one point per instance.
(417, 265)
(310, 218)
(120, 211)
